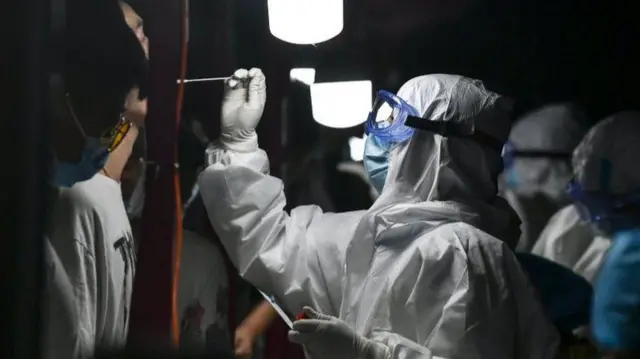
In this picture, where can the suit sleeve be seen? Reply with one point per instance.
(275, 251)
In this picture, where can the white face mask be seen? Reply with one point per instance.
(135, 205)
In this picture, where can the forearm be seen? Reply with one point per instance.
(120, 155)
(260, 318)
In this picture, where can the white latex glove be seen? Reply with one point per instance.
(245, 95)
(327, 337)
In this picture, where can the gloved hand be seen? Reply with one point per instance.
(327, 337)
(244, 98)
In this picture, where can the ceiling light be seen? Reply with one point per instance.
(305, 22)
(305, 75)
(341, 104)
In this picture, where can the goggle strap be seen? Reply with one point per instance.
(541, 154)
(449, 129)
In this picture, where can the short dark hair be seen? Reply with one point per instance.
(103, 59)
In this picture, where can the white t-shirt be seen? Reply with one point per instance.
(203, 298)
(91, 262)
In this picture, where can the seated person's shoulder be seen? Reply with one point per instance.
(85, 207)
(92, 196)
(72, 202)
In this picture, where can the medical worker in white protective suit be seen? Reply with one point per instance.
(606, 189)
(566, 238)
(537, 159)
(422, 273)
(569, 240)
(572, 242)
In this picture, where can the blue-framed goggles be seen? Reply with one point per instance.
(598, 207)
(392, 120)
(387, 118)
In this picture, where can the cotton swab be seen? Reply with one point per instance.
(206, 79)
(279, 310)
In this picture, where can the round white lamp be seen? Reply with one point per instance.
(341, 104)
(305, 22)
(306, 76)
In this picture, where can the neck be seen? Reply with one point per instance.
(120, 155)
(68, 142)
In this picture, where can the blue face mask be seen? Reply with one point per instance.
(376, 161)
(511, 177)
(94, 157)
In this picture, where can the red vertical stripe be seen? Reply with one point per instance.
(151, 308)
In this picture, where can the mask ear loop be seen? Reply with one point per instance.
(79, 126)
(73, 115)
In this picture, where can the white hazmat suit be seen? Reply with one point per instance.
(567, 238)
(572, 242)
(534, 180)
(412, 277)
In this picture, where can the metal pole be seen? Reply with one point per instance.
(24, 174)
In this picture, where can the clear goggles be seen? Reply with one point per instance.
(510, 153)
(392, 120)
(387, 118)
(598, 207)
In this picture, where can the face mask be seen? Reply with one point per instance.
(94, 157)
(376, 161)
(135, 204)
(385, 127)
(511, 177)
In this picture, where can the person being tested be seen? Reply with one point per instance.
(98, 114)
(423, 273)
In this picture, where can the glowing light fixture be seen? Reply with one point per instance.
(341, 104)
(305, 75)
(356, 148)
(305, 22)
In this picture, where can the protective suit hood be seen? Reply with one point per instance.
(603, 165)
(554, 128)
(452, 172)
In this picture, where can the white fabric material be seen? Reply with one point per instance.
(599, 153)
(135, 204)
(203, 295)
(419, 271)
(572, 242)
(541, 182)
(244, 99)
(92, 259)
(589, 264)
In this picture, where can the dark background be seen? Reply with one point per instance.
(533, 51)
